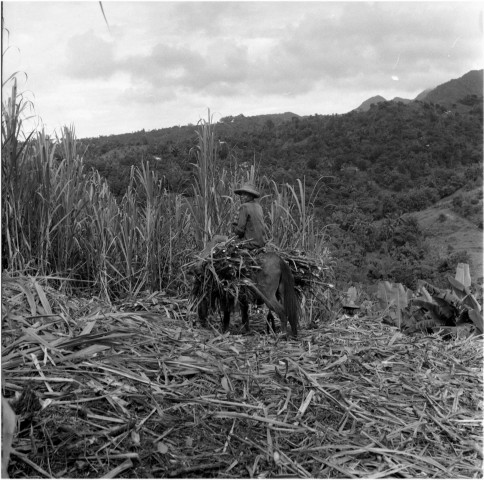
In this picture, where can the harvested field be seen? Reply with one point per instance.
(138, 390)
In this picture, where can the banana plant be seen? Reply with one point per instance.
(448, 308)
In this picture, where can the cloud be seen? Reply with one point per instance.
(165, 60)
(224, 66)
(221, 68)
(89, 56)
(358, 44)
(219, 18)
(147, 94)
(257, 48)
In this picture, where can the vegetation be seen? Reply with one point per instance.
(62, 218)
(362, 173)
(118, 380)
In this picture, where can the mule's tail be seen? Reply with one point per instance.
(291, 304)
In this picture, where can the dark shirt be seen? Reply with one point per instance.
(250, 225)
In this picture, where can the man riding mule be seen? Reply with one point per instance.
(250, 223)
(245, 271)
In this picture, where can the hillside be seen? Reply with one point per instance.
(260, 121)
(421, 96)
(458, 94)
(361, 170)
(400, 99)
(449, 232)
(365, 106)
(454, 91)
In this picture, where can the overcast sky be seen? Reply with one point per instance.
(165, 63)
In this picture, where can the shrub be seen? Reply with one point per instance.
(448, 264)
(457, 201)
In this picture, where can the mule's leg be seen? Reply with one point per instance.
(244, 310)
(273, 278)
(283, 316)
(282, 313)
(275, 306)
(226, 320)
(225, 306)
(288, 293)
(269, 286)
(280, 290)
(203, 312)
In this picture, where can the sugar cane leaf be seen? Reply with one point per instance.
(225, 384)
(42, 296)
(29, 296)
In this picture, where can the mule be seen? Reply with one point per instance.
(272, 284)
(226, 304)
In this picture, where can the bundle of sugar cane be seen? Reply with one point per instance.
(228, 265)
(308, 272)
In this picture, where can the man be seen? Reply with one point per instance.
(250, 223)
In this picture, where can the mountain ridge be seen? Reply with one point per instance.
(447, 94)
(454, 90)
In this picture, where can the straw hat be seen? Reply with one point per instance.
(247, 188)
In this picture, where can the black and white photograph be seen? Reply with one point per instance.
(242, 239)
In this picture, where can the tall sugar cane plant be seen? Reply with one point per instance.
(16, 182)
(98, 236)
(164, 231)
(58, 218)
(212, 200)
(291, 219)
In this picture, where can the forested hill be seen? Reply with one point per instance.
(363, 171)
(393, 158)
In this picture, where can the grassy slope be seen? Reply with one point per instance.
(456, 231)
